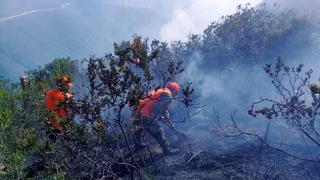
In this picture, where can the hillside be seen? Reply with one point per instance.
(74, 29)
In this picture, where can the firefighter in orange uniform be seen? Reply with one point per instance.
(58, 103)
(153, 109)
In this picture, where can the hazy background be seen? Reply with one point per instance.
(33, 32)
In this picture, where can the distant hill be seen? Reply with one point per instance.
(33, 33)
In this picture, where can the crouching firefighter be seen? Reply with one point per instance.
(152, 109)
(58, 102)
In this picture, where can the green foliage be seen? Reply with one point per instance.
(46, 77)
(23, 118)
(57, 176)
(251, 35)
(11, 154)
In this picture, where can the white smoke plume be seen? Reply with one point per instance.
(308, 8)
(199, 14)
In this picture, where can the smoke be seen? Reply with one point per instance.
(308, 8)
(234, 87)
(195, 17)
(240, 84)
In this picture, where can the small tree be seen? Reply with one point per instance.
(292, 86)
(116, 83)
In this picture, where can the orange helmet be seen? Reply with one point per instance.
(174, 88)
(64, 81)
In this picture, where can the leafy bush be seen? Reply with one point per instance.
(251, 35)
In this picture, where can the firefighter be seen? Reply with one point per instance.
(25, 86)
(24, 82)
(58, 102)
(152, 109)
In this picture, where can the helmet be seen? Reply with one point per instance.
(24, 81)
(174, 88)
(64, 81)
(23, 77)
